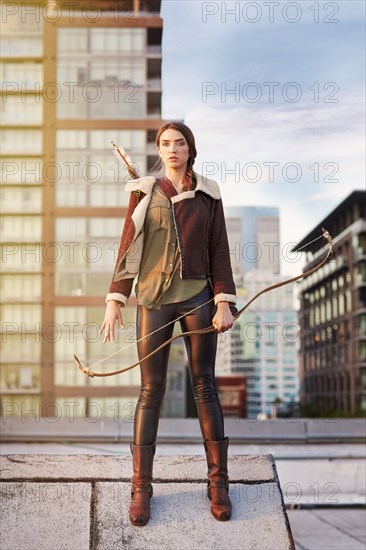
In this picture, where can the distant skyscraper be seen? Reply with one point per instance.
(274, 329)
(262, 345)
(254, 238)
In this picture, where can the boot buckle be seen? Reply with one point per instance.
(145, 489)
(220, 484)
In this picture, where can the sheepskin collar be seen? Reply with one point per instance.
(145, 184)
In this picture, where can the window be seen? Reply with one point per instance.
(30, 75)
(21, 257)
(17, 200)
(21, 141)
(18, 170)
(72, 40)
(341, 308)
(361, 273)
(106, 40)
(16, 45)
(106, 85)
(20, 313)
(22, 229)
(328, 310)
(21, 347)
(26, 377)
(13, 286)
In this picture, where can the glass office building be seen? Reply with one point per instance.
(255, 240)
(263, 344)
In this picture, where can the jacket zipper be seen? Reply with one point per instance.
(180, 251)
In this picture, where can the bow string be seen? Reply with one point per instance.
(206, 330)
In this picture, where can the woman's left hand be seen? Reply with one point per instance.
(223, 319)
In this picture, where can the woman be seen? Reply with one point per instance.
(174, 238)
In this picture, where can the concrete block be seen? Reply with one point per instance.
(181, 519)
(81, 502)
(41, 516)
(106, 467)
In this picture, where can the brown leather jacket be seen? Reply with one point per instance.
(201, 233)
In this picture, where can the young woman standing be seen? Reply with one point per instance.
(174, 240)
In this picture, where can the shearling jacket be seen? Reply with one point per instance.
(201, 233)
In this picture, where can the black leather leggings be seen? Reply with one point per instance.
(201, 350)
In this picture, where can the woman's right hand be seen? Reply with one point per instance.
(112, 314)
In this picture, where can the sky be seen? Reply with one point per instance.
(291, 132)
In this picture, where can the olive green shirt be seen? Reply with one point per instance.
(159, 280)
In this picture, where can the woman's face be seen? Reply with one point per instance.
(173, 149)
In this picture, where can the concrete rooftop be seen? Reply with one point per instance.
(80, 502)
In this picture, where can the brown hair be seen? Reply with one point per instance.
(188, 134)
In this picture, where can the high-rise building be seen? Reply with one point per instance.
(333, 313)
(275, 332)
(254, 238)
(75, 75)
(262, 345)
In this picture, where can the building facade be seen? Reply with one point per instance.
(76, 75)
(333, 314)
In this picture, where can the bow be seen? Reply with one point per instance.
(123, 156)
(211, 328)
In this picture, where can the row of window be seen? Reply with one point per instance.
(131, 140)
(328, 357)
(279, 377)
(134, 141)
(22, 45)
(332, 334)
(22, 40)
(104, 72)
(28, 287)
(23, 199)
(100, 40)
(80, 234)
(330, 383)
(27, 110)
(331, 309)
(328, 289)
(21, 141)
(28, 74)
(27, 406)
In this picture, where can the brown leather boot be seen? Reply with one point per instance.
(141, 488)
(218, 481)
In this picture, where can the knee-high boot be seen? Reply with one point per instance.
(218, 481)
(141, 488)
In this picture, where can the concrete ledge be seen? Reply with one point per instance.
(246, 468)
(69, 502)
(176, 430)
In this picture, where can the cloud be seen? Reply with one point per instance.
(325, 195)
(325, 139)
